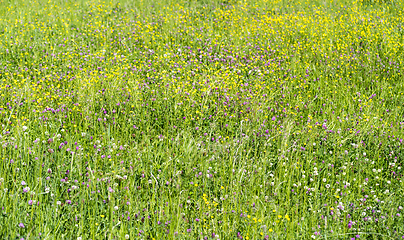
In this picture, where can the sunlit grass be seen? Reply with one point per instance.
(201, 119)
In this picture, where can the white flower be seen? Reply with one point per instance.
(116, 208)
(324, 180)
(127, 236)
(24, 128)
(327, 186)
(58, 202)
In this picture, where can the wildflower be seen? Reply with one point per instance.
(21, 225)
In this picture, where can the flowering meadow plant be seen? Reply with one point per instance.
(203, 119)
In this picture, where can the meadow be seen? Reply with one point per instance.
(201, 119)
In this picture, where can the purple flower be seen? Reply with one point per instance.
(189, 230)
(30, 202)
(21, 225)
(197, 219)
(23, 183)
(68, 202)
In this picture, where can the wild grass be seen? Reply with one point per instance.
(201, 119)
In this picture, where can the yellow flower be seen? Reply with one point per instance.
(222, 187)
(274, 211)
(196, 184)
(270, 230)
(102, 216)
(279, 216)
